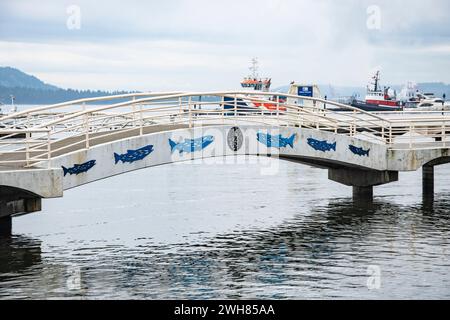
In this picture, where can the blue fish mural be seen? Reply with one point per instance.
(191, 145)
(321, 145)
(79, 168)
(133, 155)
(359, 151)
(275, 141)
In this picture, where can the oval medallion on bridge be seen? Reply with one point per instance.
(235, 139)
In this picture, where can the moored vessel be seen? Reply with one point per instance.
(413, 99)
(256, 103)
(377, 98)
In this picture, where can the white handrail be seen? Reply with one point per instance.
(80, 101)
(43, 127)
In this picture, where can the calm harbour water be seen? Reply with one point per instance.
(197, 231)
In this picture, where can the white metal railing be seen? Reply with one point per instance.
(32, 137)
(24, 147)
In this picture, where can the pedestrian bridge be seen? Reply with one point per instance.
(46, 150)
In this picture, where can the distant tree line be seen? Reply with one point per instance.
(42, 96)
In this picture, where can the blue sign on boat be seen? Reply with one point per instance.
(305, 91)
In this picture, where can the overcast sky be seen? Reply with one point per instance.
(207, 44)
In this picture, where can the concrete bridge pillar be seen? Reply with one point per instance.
(11, 206)
(5, 226)
(428, 180)
(363, 192)
(15, 201)
(362, 181)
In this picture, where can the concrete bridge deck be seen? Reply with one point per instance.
(358, 148)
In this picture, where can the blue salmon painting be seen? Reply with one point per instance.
(191, 145)
(275, 141)
(133, 155)
(321, 145)
(359, 151)
(79, 168)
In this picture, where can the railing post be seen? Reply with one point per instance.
(443, 135)
(180, 109)
(49, 148)
(190, 111)
(223, 109)
(353, 131)
(235, 109)
(86, 128)
(410, 135)
(390, 134)
(141, 122)
(278, 110)
(133, 108)
(27, 152)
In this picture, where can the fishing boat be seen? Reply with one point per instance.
(378, 99)
(256, 103)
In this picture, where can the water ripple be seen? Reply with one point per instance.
(305, 240)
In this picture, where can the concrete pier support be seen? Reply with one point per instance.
(428, 180)
(9, 207)
(363, 192)
(12, 206)
(362, 181)
(5, 227)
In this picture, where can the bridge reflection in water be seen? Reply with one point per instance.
(18, 253)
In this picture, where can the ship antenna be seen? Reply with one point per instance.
(254, 68)
(13, 107)
(377, 78)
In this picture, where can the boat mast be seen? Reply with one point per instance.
(13, 107)
(254, 68)
(377, 79)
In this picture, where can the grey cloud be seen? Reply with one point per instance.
(331, 35)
